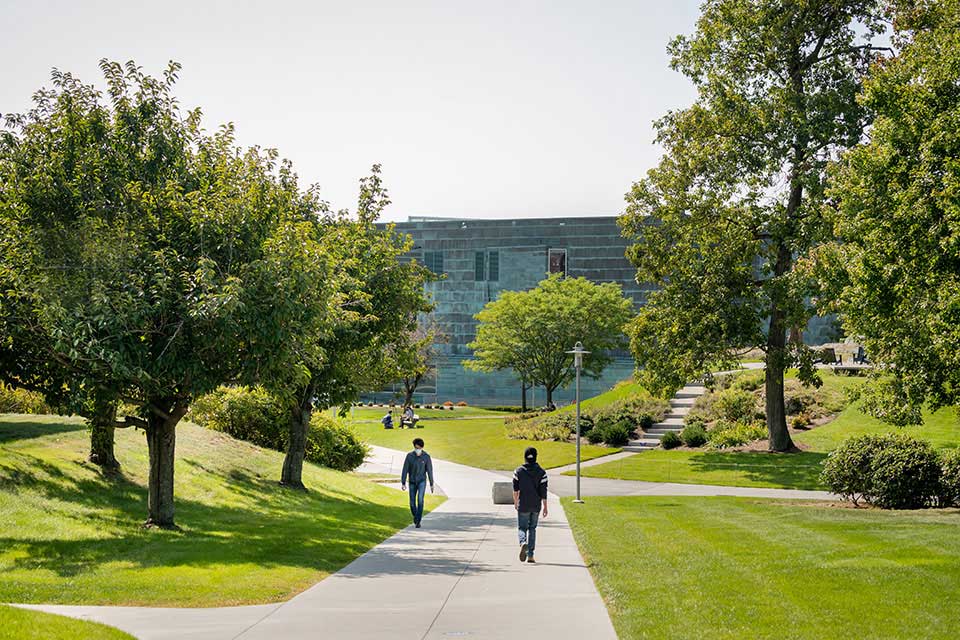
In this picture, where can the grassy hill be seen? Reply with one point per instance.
(16, 624)
(70, 536)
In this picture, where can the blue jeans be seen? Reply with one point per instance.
(527, 520)
(417, 492)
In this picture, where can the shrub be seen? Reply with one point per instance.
(533, 430)
(734, 434)
(633, 413)
(595, 436)
(461, 404)
(670, 440)
(505, 409)
(847, 471)
(521, 417)
(799, 422)
(735, 405)
(694, 435)
(747, 381)
(906, 474)
(950, 479)
(893, 471)
(245, 413)
(616, 435)
(448, 404)
(17, 400)
(333, 445)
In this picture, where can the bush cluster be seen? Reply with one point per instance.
(735, 405)
(253, 415)
(892, 471)
(726, 434)
(17, 400)
(694, 434)
(670, 440)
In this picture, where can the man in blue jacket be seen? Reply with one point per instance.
(529, 493)
(419, 467)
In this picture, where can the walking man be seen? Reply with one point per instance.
(419, 467)
(529, 494)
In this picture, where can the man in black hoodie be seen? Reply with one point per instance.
(529, 493)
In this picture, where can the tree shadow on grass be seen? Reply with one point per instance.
(24, 427)
(264, 525)
(783, 470)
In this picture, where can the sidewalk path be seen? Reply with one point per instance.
(458, 576)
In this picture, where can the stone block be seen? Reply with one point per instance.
(502, 493)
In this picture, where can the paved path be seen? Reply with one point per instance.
(458, 576)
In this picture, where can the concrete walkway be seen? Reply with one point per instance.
(458, 576)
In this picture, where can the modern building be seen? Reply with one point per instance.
(481, 258)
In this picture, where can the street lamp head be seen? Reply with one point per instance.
(578, 353)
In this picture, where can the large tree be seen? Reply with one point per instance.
(159, 257)
(531, 331)
(736, 200)
(895, 272)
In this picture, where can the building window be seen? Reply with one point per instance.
(478, 267)
(557, 261)
(433, 260)
(493, 264)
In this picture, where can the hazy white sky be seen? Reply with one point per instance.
(475, 109)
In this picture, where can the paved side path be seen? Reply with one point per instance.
(458, 576)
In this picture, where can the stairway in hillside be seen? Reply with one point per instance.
(680, 405)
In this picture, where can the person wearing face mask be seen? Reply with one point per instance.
(419, 468)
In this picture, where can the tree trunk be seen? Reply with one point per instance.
(292, 473)
(523, 396)
(102, 421)
(549, 391)
(161, 445)
(776, 363)
(408, 397)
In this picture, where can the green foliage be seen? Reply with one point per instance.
(905, 474)
(16, 400)
(250, 414)
(694, 435)
(670, 440)
(735, 405)
(726, 434)
(848, 470)
(530, 331)
(616, 434)
(738, 195)
(639, 412)
(950, 479)
(894, 272)
(893, 471)
(334, 445)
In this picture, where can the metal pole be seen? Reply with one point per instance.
(578, 500)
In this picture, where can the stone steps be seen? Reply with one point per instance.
(680, 405)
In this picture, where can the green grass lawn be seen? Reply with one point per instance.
(70, 536)
(738, 568)
(16, 624)
(785, 471)
(375, 413)
(478, 443)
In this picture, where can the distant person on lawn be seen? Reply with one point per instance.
(529, 494)
(387, 420)
(419, 467)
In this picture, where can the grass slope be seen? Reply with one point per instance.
(737, 568)
(70, 536)
(478, 443)
(16, 624)
(760, 469)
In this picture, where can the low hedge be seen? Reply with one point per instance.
(725, 434)
(253, 415)
(17, 400)
(892, 471)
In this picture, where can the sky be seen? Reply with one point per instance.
(474, 109)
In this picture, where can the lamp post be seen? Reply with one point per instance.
(578, 353)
